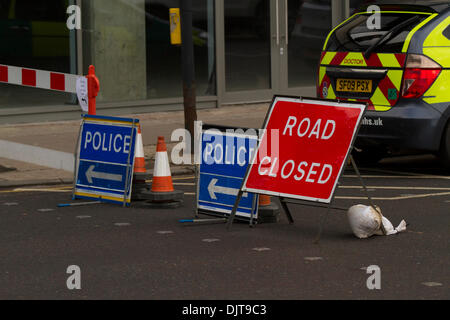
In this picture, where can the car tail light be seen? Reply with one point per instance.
(420, 74)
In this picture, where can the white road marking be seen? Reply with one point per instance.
(432, 284)
(313, 258)
(398, 177)
(396, 188)
(83, 217)
(165, 232)
(41, 190)
(122, 224)
(183, 184)
(416, 196)
(176, 178)
(189, 194)
(211, 240)
(46, 210)
(10, 204)
(261, 249)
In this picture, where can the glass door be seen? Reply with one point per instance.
(250, 59)
(270, 47)
(305, 25)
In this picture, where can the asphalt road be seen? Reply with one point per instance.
(141, 253)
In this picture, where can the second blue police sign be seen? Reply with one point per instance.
(225, 157)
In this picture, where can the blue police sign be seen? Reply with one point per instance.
(105, 159)
(225, 158)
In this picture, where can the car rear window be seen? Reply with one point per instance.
(356, 35)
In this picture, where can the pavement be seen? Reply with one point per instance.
(24, 168)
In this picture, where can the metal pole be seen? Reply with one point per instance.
(355, 167)
(188, 67)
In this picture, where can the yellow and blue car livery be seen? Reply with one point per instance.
(401, 70)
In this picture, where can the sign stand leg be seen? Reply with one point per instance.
(322, 223)
(197, 178)
(286, 210)
(129, 167)
(355, 167)
(235, 207)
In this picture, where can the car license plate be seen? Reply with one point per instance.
(354, 85)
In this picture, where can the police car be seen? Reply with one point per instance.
(396, 60)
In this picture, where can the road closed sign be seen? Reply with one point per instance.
(303, 149)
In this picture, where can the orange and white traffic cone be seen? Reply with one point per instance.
(162, 193)
(268, 212)
(162, 177)
(140, 175)
(139, 158)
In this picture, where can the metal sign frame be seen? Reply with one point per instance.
(284, 200)
(253, 216)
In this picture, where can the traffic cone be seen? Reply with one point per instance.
(162, 177)
(139, 158)
(268, 212)
(140, 175)
(162, 193)
(264, 200)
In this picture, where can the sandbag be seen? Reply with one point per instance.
(365, 222)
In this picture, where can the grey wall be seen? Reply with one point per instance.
(114, 35)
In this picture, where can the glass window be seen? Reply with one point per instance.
(309, 25)
(247, 45)
(34, 35)
(355, 35)
(128, 42)
(164, 75)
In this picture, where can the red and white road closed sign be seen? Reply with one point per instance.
(304, 148)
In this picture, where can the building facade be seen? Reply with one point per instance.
(245, 51)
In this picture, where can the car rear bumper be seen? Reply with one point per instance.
(411, 124)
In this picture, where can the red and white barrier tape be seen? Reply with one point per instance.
(39, 78)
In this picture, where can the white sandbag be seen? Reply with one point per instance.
(365, 222)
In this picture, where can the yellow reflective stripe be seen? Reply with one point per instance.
(396, 78)
(352, 57)
(388, 60)
(352, 100)
(322, 72)
(331, 94)
(414, 30)
(328, 57)
(439, 90)
(382, 108)
(412, 12)
(436, 38)
(440, 55)
(379, 99)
